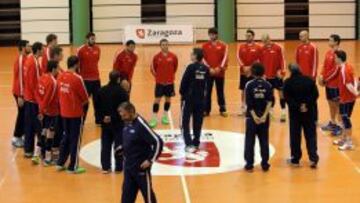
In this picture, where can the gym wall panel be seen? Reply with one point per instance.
(263, 16)
(41, 17)
(111, 16)
(332, 16)
(199, 13)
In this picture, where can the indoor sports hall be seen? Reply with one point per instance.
(215, 172)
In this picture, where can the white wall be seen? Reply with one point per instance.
(41, 17)
(332, 16)
(263, 16)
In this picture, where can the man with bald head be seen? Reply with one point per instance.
(272, 57)
(307, 56)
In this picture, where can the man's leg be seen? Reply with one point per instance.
(130, 188)
(89, 90)
(250, 134)
(65, 144)
(311, 138)
(220, 83)
(208, 94)
(19, 126)
(59, 134)
(295, 138)
(29, 134)
(119, 160)
(156, 106)
(145, 184)
(106, 146)
(263, 135)
(75, 141)
(50, 126)
(186, 109)
(346, 112)
(197, 124)
(97, 113)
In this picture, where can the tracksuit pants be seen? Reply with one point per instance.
(70, 144)
(298, 122)
(260, 131)
(32, 126)
(19, 130)
(195, 110)
(135, 180)
(92, 88)
(59, 132)
(219, 83)
(111, 137)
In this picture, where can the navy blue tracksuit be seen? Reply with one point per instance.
(140, 143)
(301, 91)
(258, 95)
(110, 97)
(32, 126)
(192, 91)
(70, 143)
(20, 120)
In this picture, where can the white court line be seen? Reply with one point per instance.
(356, 167)
(182, 176)
(2, 181)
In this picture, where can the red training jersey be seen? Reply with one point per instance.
(125, 63)
(272, 57)
(164, 67)
(216, 56)
(48, 98)
(72, 95)
(330, 71)
(32, 73)
(45, 59)
(248, 54)
(346, 77)
(89, 57)
(307, 57)
(18, 76)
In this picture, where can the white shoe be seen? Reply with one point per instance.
(339, 142)
(346, 146)
(190, 149)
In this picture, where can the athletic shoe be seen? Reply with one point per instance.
(329, 127)
(60, 168)
(47, 163)
(28, 155)
(283, 117)
(118, 170)
(337, 131)
(79, 170)
(165, 120)
(106, 171)
(339, 142)
(346, 146)
(153, 123)
(292, 163)
(265, 167)
(36, 160)
(313, 165)
(190, 149)
(224, 114)
(249, 168)
(17, 142)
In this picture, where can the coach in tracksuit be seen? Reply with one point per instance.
(141, 147)
(192, 91)
(259, 97)
(110, 97)
(72, 98)
(301, 94)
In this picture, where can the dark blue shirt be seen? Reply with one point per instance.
(140, 143)
(193, 82)
(258, 93)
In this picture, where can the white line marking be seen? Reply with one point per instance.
(182, 176)
(356, 167)
(7, 170)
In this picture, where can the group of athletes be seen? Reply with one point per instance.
(53, 103)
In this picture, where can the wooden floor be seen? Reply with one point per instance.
(336, 180)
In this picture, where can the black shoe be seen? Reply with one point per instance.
(249, 168)
(313, 165)
(293, 163)
(118, 170)
(265, 167)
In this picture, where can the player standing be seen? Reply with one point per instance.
(307, 56)
(248, 53)
(51, 42)
(272, 57)
(72, 98)
(163, 68)
(89, 56)
(215, 57)
(18, 92)
(330, 77)
(125, 61)
(348, 89)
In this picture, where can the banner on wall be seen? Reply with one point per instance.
(152, 34)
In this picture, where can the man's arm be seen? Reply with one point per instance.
(185, 81)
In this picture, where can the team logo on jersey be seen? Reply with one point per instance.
(140, 33)
(220, 152)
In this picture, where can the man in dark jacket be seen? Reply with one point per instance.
(110, 97)
(301, 94)
(192, 91)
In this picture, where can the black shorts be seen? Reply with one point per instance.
(332, 94)
(164, 90)
(276, 83)
(50, 122)
(243, 80)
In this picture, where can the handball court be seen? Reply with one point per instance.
(337, 178)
